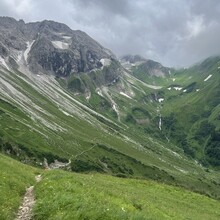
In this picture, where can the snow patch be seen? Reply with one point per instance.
(169, 88)
(99, 92)
(105, 62)
(197, 90)
(114, 107)
(185, 90)
(160, 123)
(60, 45)
(174, 79)
(160, 100)
(207, 78)
(67, 37)
(178, 88)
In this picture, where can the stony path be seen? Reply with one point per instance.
(25, 210)
(38, 178)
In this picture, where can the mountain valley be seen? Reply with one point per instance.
(67, 102)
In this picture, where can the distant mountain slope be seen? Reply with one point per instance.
(97, 118)
(189, 106)
(144, 69)
(194, 110)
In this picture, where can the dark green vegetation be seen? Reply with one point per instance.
(190, 108)
(194, 121)
(15, 177)
(115, 163)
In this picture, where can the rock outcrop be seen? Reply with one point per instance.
(49, 47)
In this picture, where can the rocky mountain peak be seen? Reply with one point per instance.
(143, 65)
(49, 47)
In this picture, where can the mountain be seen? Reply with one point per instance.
(50, 47)
(189, 105)
(146, 70)
(153, 68)
(67, 102)
(194, 109)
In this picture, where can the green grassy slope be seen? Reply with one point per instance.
(65, 195)
(40, 119)
(194, 111)
(189, 108)
(62, 195)
(14, 178)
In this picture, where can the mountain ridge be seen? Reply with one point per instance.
(64, 52)
(102, 118)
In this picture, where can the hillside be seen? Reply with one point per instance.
(61, 194)
(196, 112)
(15, 177)
(40, 119)
(96, 196)
(67, 102)
(189, 107)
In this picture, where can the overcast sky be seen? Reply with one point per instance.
(173, 32)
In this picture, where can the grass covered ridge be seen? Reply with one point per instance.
(15, 177)
(63, 195)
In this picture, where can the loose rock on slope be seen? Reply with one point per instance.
(25, 210)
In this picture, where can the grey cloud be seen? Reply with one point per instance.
(174, 32)
(110, 7)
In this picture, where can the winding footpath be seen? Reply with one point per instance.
(25, 210)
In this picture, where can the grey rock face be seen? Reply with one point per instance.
(133, 58)
(143, 65)
(50, 47)
(154, 69)
(11, 34)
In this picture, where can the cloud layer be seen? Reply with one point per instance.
(174, 32)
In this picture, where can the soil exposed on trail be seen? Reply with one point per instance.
(25, 210)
